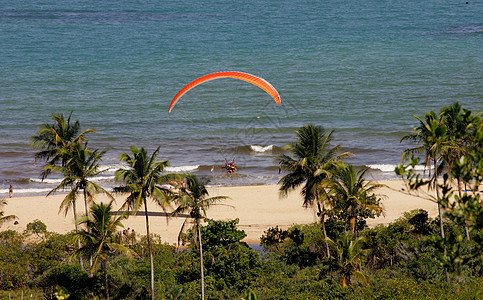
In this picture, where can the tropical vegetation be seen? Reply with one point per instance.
(313, 161)
(143, 179)
(338, 257)
(99, 239)
(3, 218)
(192, 197)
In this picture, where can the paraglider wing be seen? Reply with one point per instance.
(260, 82)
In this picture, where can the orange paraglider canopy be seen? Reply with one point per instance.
(260, 82)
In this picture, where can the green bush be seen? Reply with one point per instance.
(14, 261)
(234, 268)
(217, 233)
(51, 251)
(36, 227)
(76, 282)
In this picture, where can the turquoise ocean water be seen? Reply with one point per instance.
(361, 68)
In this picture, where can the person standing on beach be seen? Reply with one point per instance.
(10, 191)
(133, 237)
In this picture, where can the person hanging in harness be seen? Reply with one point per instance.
(229, 167)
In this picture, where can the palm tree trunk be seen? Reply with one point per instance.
(460, 195)
(77, 230)
(104, 267)
(85, 201)
(150, 249)
(467, 233)
(352, 224)
(201, 262)
(440, 215)
(87, 214)
(344, 281)
(322, 220)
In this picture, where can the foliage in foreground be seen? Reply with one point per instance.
(408, 259)
(401, 264)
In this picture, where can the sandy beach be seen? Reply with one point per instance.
(257, 207)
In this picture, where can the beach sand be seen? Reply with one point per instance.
(257, 207)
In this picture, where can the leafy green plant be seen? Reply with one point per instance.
(272, 238)
(348, 259)
(313, 160)
(218, 233)
(71, 278)
(36, 227)
(3, 218)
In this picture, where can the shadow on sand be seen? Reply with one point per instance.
(150, 213)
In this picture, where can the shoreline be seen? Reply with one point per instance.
(258, 207)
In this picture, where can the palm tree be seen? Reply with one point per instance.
(431, 135)
(461, 125)
(99, 238)
(142, 179)
(80, 165)
(312, 163)
(348, 258)
(51, 138)
(353, 196)
(3, 218)
(193, 197)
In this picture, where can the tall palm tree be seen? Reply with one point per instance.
(434, 143)
(99, 238)
(348, 258)
(51, 138)
(461, 127)
(80, 166)
(3, 218)
(431, 135)
(353, 196)
(313, 161)
(142, 179)
(193, 197)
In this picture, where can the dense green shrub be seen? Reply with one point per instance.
(272, 239)
(233, 268)
(51, 251)
(14, 261)
(402, 264)
(72, 278)
(220, 233)
(300, 245)
(36, 227)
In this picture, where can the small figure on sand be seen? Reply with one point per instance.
(10, 191)
(133, 237)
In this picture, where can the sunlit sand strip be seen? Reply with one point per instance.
(257, 207)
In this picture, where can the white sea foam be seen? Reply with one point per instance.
(102, 178)
(47, 180)
(383, 168)
(390, 168)
(59, 180)
(27, 191)
(109, 175)
(112, 168)
(182, 168)
(260, 149)
(423, 168)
